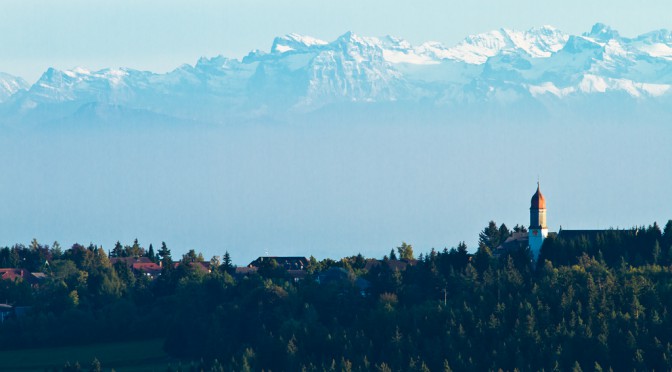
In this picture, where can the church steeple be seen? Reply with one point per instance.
(538, 210)
(538, 200)
(538, 230)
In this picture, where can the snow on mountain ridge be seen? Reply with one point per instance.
(10, 85)
(294, 41)
(657, 44)
(304, 73)
(537, 42)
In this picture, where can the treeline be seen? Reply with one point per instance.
(589, 304)
(638, 246)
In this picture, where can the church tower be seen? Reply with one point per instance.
(538, 230)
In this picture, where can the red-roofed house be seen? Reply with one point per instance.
(18, 275)
(146, 268)
(139, 265)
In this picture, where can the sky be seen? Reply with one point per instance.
(327, 190)
(162, 35)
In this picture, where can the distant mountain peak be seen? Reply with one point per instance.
(353, 38)
(293, 41)
(538, 42)
(9, 85)
(303, 73)
(602, 32)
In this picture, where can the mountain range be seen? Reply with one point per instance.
(542, 66)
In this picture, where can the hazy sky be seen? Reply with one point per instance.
(161, 35)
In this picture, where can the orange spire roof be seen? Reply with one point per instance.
(538, 201)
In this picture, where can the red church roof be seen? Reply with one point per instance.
(538, 201)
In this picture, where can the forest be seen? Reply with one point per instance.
(587, 304)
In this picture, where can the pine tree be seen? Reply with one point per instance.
(503, 234)
(577, 367)
(490, 236)
(190, 257)
(226, 261)
(519, 229)
(135, 250)
(164, 255)
(462, 255)
(383, 367)
(117, 251)
(446, 366)
(56, 251)
(482, 258)
(101, 258)
(666, 241)
(95, 366)
(150, 253)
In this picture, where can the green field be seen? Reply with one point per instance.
(122, 356)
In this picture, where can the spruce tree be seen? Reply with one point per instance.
(150, 253)
(117, 251)
(164, 255)
(135, 250)
(226, 261)
(490, 236)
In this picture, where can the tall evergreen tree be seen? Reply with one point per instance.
(482, 258)
(190, 257)
(490, 236)
(226, 261)
(117, 251)
(150, 253)
(56, 251)
(164, 255)
(503, 234)
(462, 251)
(519, 229)
(135, 250)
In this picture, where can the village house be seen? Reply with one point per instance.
(139, 265)
(394, 265)
(339, 274)
(295, 266)
(14, 274)
(288, 263)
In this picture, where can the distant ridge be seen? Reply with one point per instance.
(301, 74)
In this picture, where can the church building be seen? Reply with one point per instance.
(538, 231)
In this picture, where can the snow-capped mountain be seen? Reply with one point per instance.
(9, 85)
(302, 73)
(537, 43)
